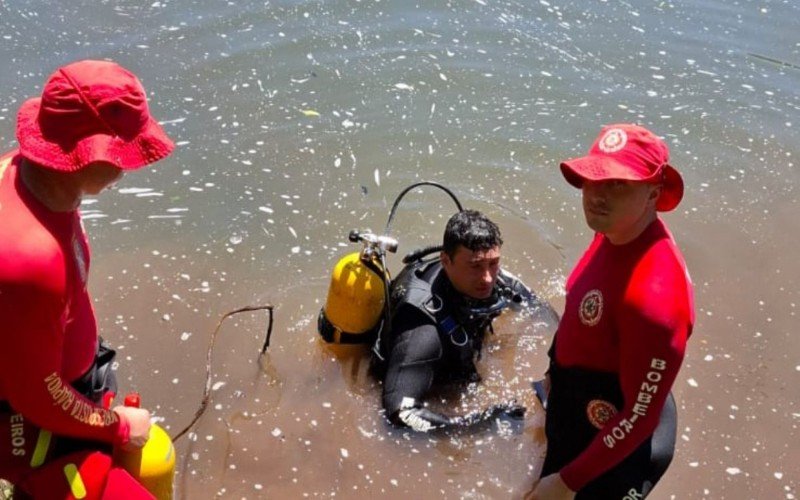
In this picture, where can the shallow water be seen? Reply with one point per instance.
(300, 120)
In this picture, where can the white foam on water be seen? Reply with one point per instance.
(134, 190)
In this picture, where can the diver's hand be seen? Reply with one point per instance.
(512, 409)
(422, 419)
(550, 487)
(139, 424)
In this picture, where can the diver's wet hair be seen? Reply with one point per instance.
(471, 229)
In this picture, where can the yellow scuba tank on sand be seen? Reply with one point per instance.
(153, 466)
(354, 309)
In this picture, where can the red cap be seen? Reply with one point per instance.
(91, 111)
(628, 152)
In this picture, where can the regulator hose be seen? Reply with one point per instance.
(392, 212)
(421, 252)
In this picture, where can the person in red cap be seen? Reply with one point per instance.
(90, 125)
(610, 420)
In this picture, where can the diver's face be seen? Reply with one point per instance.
(473, 273)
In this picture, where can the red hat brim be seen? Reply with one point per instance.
(600, 168)
(148, 146)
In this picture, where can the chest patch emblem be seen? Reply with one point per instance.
(599, 412)
(591, 308)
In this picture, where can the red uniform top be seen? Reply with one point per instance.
(629, 311)
(48, 335)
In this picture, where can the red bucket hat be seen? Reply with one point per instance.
(91, 111)
(628, 152)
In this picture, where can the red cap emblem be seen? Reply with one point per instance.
(613, 140)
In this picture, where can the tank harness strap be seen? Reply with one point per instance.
(451, 327)
(100, 377)
(340, 337)
(330, 333)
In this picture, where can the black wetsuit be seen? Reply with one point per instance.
(569, 432)
(436, 335)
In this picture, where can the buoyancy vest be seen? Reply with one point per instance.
(461, 322)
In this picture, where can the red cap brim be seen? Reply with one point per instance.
(601, 168)
(149, 146)
(671, 190)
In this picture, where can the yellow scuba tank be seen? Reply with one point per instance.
(357, 294)
(153, 466)
(357, 302)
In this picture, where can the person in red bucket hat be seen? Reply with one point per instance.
(90, 125)
(611, 419)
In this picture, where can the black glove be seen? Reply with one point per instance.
(421, 419)
(512, 409)
(424, 420)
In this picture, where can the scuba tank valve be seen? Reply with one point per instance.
(373, 241)
(153, 466)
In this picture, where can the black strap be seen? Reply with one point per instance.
(333, 335)
(100, 377)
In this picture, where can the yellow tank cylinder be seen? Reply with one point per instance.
(153, 465)
(355, 296)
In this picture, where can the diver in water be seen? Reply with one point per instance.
(441, 309)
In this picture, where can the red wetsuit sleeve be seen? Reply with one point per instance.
(30, 357)
(654, 322)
